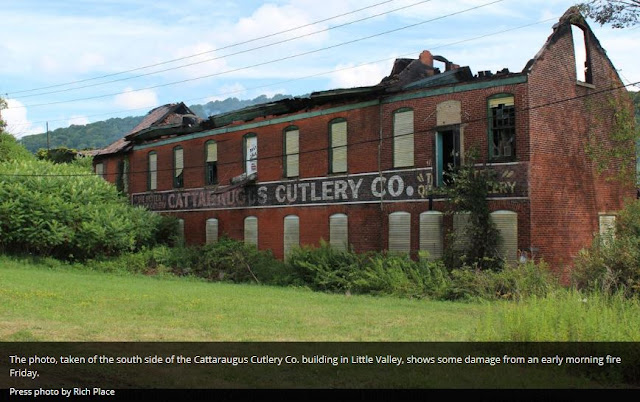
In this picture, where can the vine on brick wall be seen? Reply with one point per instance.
(616, 161)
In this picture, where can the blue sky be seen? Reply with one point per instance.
(51, 48)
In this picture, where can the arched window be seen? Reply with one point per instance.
(403, 138)
(502, 127)
(291, 234)
(178, 167)
(251, 230)
(152, 171)
(211, 230)
(339, 232)
(507, 224)
(431, 233)
(338, 146)
(181, 231)
(291, 151)
(400, 232)
(210, 163)
(250, 153)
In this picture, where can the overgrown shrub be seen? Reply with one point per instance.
(330, 270)
(612, 263)
(65, 211)
(235, 261)
(511, 283)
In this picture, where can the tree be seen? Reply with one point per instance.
(618, 13)
(468, 192)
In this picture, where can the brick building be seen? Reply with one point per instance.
(365, 167)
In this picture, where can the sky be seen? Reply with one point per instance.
(80, 61)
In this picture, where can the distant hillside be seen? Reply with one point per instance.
(102, 133)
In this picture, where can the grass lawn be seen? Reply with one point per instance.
(63, 304)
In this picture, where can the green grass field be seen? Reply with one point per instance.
(67, 303)
(45, 304)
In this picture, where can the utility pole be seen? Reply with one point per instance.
(48, 138)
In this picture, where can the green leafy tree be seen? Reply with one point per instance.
(618, 13)
(467, 192)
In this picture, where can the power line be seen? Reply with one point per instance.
(318, 74)
(322, 149)
(267, 62)
(201, 53)
(227, 55)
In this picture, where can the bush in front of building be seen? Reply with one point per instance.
(513, 282)
(612, 263)
(65, 211)
(326, 269)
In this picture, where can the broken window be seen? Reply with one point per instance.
(403, 138)
(583, 65)
(502, 128)
(152, 182)
(291, 151)
(178, 167)
(338, 146)
(250, 153)
(211, 163)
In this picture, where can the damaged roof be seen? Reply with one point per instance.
(163, 120)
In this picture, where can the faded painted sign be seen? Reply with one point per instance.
(411, 185)
(404, 185)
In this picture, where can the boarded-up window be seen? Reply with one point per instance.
(251, 153)
(181, 231)
(153, 171)
(507, 224)
(178, 167)
(461, 230)
(251, 230)
(502, 127)
(211, 163)
(403, 138)
(431, 233)
(125, 176)
(291, 234)
(292, 152)
(607, 224)
(211, 231)
(338, 140)
(449, 113)
(339, 231)
(100, 169)
(400, 232)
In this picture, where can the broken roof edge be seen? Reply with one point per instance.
(572, 16)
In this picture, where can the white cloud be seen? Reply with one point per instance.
(78, 120)
(131, 99)
(365, 75)
(236, 90)
(17, 122)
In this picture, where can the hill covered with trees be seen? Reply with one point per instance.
(102, 133)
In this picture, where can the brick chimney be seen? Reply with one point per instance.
(426, 58)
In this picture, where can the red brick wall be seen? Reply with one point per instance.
(566, 193)
(368, 223)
